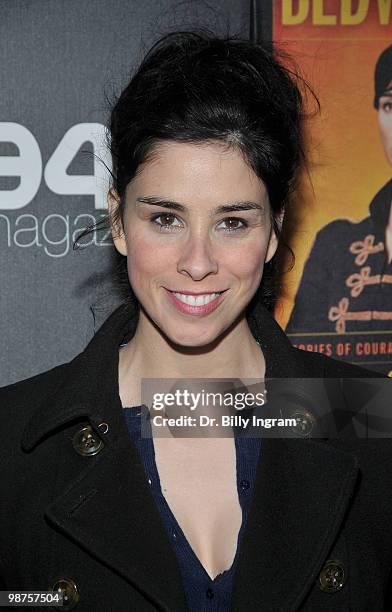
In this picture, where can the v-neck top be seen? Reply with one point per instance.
(203, 594)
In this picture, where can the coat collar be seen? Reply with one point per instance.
(91, 380)
(294, 517)
(379, 209)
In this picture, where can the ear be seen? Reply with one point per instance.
(115, 223)
(274, 240)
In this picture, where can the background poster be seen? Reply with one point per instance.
(338, 297)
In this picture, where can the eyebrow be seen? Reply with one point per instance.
(387, 93)
(224, 208)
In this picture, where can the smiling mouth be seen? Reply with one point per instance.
(198, 299)
(196, 304)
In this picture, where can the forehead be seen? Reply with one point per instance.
(202, 171)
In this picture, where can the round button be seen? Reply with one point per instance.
(86, 442)
(305, 422)
(244, 484)
(332, 577)
(209, 593)
(68, 588)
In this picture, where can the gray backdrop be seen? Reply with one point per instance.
(59, 61)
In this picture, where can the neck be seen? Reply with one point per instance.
(235, 355)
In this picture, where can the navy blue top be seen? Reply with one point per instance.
(202, 593)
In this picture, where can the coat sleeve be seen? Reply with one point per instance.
(312, 301)
(2, 579)
(388, 593)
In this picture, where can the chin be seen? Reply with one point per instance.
(193, 340)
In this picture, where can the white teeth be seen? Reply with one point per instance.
(196, 300)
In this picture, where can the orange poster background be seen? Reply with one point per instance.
(348, 162)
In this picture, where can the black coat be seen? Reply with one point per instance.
(92, 521)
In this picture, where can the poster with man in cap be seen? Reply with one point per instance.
(346, 283)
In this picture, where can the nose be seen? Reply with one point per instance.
(197, 258)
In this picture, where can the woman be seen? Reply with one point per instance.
(206, 143)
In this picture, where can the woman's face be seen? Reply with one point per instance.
(385, 121)
(179, 239)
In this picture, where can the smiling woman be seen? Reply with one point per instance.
(119, 509)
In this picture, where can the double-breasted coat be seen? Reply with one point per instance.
(319, 533)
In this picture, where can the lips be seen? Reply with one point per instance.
(193, 308)
(196, 292)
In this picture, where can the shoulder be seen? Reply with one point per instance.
(359, 424)
(357, 392)
(324, 366)
(337, 225)
(333, 239)
(40, 385)
(341, 230)
(20, 400)
(384, 193)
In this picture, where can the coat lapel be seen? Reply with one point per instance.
(302, 491)
(109, 510)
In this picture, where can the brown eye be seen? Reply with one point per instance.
(165, 221)
(233, 224)
(168, 219)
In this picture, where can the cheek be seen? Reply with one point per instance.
(388, 131)
(386, 127)
(143, 262)
(248, 263)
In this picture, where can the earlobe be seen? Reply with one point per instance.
(272, 246)
(274, 240)
(117, 230)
